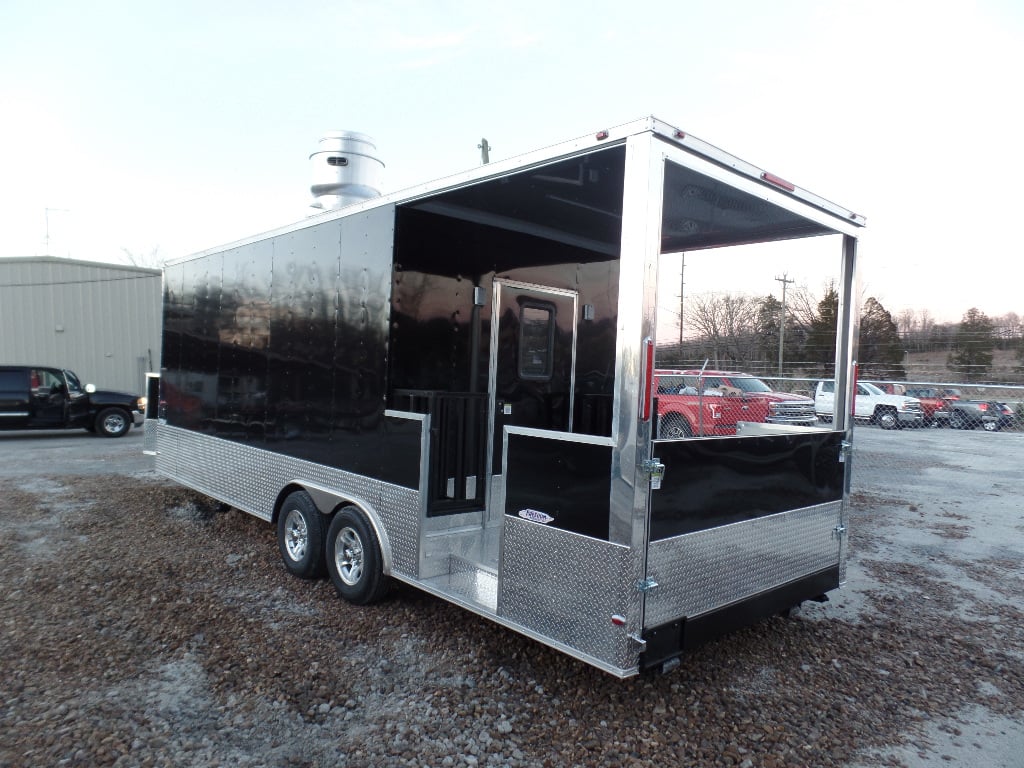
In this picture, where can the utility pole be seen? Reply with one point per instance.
(485, 151)
(782, 315)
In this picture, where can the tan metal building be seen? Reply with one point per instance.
(101, 321)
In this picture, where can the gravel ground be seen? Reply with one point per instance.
(145, 626)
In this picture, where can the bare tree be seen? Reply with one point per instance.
(725, 323)
(154, 259)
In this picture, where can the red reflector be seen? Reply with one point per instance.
(602, 135)
(647, 385)
(619, 621)
(680, 135)
(771, 178)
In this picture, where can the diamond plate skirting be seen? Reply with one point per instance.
(699, 572)
(566, 587)
(250, 479)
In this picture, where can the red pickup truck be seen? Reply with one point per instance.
(934, 402)
(694, 403)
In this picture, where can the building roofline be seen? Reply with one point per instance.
(80, 263)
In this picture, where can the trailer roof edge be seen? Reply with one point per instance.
(581, 145)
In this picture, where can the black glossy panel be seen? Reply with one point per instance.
(566, 480)
(282, 344)
(244, 340)
(709, 483)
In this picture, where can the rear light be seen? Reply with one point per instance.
(982, 406)
(771, 178)
(647, 384)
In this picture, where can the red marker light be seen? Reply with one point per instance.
(601, 135)
(647, 384)
(771, 178)
(679, 135)
(618, 621)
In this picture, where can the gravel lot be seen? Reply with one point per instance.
(144, 626)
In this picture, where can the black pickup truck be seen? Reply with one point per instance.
(39, 397)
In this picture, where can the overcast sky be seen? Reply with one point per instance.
(174, 127)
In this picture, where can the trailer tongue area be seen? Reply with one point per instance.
(453, 387)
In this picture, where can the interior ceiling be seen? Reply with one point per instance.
(701, 213)
(578, 203)
(575, 202)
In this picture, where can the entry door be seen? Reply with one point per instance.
(533, 350)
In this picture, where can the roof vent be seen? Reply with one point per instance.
(346, 170)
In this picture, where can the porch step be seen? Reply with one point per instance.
(474, 582)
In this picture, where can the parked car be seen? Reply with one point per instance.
(934, 404)
(39, 397)
(890, 387)
(989, 414)
(705, 403)
(871, 405)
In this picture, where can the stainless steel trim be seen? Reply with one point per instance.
(567, 437)
(404, 415)
(705, 570)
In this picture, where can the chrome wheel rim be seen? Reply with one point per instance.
(296, 535)
(113, 422)
(348, 556)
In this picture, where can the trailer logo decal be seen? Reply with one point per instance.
(536, 516)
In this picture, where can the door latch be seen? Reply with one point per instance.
(844, 450)
(655, 470)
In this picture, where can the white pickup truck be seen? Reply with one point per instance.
(871, 405)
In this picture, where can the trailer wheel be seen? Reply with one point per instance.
(112, 422)
(300, 536)
(354, 560)
(674, 427)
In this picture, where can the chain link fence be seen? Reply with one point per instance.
(956, 416)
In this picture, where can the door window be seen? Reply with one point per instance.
(536, 341)
(44, 382)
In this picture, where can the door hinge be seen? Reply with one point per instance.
(839, 531)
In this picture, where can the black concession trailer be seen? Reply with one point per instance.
(451, 387)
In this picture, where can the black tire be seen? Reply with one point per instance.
(354, 560)
(673, 426)
(887, 418)
(112, 422)
(958, 421)
(300, 536)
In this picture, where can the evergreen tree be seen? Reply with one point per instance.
(820, 349)
(972, 346)
(879, 350)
